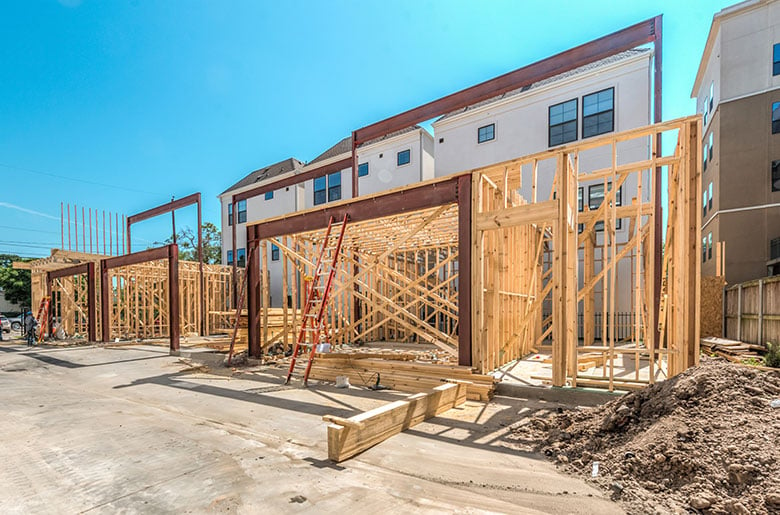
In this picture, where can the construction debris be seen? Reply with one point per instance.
(704, 440)
(732, 350)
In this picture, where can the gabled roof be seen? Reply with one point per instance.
(269, 172)
(345, 145)
(588, 68)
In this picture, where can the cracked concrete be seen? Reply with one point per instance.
(105, 430)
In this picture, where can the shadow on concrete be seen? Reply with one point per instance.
(51, 360)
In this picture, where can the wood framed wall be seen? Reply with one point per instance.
(543, 266)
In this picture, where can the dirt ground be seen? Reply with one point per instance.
(135, 430)
(706, 441)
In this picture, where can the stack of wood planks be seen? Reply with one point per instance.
(399, 373)
(732, 350)
(350, 436)
(276, 325)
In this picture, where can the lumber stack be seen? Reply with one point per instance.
(350, 436)
(732, 350)
(404, 376)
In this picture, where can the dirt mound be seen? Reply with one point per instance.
(706, 441)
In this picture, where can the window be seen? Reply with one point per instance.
(705, 112)
(709, 246)
(230, 214)
(776, 59)
(404, 157)
(774, 248)
(704, 204)
(598, 113)
(486, 133)
(596, 197)
(775, 175)
(334, 186)
(562, 123)
(579, 199)
(327, 188)
(230, 257)
(320, 187)
(775, 117)
(712, 144)
(241, 211)
(712, 94)
(274, 252)
(704, 250)
(710, 192)
(704, 157)
(362, 170)
(269, 195)
(241, 257)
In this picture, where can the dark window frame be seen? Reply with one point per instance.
(334, 190)
(269, 195)
(274, 252)
(598, 113)
(230, 214)
(241, 257)
(362, 169)
(492, 127)
(704, 250)
(323, 190)
(775, 123)
(709, 190)
(241, 212)
(407, 153)
(618, 202)
(774, 175)
(709, 246)
(229, 257)
(569, 123)
(775, 59)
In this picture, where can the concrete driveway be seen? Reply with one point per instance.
(91, 430)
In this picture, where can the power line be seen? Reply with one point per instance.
(84, 181)
(25, 229)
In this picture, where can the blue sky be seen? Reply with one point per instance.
(119, 105)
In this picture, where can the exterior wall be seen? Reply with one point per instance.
(521, 121)
(747, 149)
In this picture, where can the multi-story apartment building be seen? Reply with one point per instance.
(737, 89)
(613, 94)
(398, 159)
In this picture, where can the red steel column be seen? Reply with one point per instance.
(253, 295)
(355, 189)
(173, 297)
(464, 268)
(658, 225)
(91, 303)
(105, 296)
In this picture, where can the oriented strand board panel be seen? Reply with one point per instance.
(712, 306)
(348, 437)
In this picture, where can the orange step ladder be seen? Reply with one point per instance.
(43, 317)
(313, 330)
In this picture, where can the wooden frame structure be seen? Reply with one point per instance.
(487, 266)
(140, 302)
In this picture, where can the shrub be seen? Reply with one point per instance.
(772, 357)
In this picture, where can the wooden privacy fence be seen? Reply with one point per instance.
(752, 311)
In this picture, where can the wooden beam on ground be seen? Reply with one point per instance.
(348, 437)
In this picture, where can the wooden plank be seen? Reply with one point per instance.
(348, 437)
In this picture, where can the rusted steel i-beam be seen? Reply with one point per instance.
(464, 266)
(174, 317)
(106, 294)
(253, 299)
(91, 303)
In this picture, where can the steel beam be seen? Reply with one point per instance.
(143, 256)
(91, 303)
(174, 318)
(253, 298)
(69, 271)
(164, 208)
(360, 209)
(105, 301)
(464, 266)
(625, 39)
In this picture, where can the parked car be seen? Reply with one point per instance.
(16, 322)
(5, 324)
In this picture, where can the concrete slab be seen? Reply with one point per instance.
(132, 429)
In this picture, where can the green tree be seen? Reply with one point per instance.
(15, 283)
(187, 239)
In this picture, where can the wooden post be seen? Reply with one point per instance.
(739, 312)
(760, 312)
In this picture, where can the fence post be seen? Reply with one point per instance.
(760, 312)
(739, 313)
